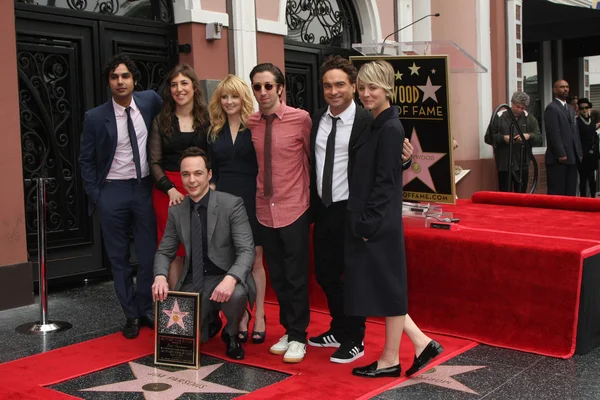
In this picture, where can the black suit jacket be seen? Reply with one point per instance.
(99, 141)
(562, 134)
(362, 120)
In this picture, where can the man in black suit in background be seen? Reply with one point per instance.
(115, 173)
(335, 129)
(563, 152)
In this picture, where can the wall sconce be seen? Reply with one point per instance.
(213, 31)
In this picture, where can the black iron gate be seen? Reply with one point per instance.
(60, 54)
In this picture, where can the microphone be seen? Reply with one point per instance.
(404, 27)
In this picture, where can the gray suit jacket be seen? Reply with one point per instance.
(562, 134)
(230, 243)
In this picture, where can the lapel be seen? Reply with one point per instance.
(361, 121)
(184, 223)
(565, 109)
(110, 123)
(211, 216)
(144, 109)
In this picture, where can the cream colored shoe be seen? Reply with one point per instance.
(295, 352)
(280, 347)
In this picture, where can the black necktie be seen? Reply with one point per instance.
(268, 160)
(326, 188)
(197, 253)
(134, 145)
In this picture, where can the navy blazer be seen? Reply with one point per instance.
(99, 141)
(562, 134)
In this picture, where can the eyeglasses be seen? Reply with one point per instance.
(584, 108)
(258, 86)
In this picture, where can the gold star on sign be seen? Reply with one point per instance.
(398, 76)
(414, 70)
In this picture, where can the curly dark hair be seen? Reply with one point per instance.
(167, 113)
(114, 62)
(339, 62)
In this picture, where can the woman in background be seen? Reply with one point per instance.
(182, 123)
(375, 265)
(234, 169)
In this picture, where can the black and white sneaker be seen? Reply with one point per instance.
(324, 340)
(348, 352)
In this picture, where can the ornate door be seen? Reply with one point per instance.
(60, 54)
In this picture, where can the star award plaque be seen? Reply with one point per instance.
(177, 330)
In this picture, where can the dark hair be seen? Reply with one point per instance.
(195, 152)
(166, 116)
(268, 67)
(114, 62)
(339, 62)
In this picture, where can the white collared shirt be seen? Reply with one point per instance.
(340, 161)
(123, 166)
(563, 103)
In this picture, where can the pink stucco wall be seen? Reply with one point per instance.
(268, 9)
(386, 16)
(214, 5)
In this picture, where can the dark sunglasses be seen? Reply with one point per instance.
(258, 86)
(584, 108)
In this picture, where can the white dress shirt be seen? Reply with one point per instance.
(339, 185)
(123, 166)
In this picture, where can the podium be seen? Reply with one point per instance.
(422, 96)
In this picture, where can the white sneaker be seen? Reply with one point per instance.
(281, 346)
(295, 352)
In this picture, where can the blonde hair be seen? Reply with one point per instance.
(379, 73)
(236, 86)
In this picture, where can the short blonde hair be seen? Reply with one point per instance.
(379, 73)
(236, 86)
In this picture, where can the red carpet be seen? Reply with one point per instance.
(314, 378)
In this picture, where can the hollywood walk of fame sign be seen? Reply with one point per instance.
(442, 376)
(421, 93)
(177, 330)
(158, 384)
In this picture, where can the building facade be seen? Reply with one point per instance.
(54, 51)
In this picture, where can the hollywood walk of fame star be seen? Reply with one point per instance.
(414, 70)
(175, 316)
(398, 76)
(433, 71)
(442, 376)
(158, 384)
(421, 161)
(429, 90)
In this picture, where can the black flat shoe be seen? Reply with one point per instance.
(233, 348)
(259, 337)
(431, 351)
(371, 371)
(131, 330)
(243, 335)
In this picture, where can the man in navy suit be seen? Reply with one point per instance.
(115, 172)
(563, 152)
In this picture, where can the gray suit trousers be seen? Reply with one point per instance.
(233, 309)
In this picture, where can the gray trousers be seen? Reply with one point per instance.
(233, 309)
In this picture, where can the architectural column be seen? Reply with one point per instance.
(404, 17)
(243, 31)
(484, 80)
(422, 29)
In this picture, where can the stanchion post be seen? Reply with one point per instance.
(43, 326)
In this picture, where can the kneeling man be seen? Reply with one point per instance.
(214, 229)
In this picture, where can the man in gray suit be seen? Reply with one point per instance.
(563, 151)
(214, 229)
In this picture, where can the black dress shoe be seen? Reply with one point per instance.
(233, 348)
(148, 321)
(431, 351)
(131, 330)
(214, 326)
(371, 371)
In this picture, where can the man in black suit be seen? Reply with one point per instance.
(335, 129)
(563, 145)
(115, 172)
